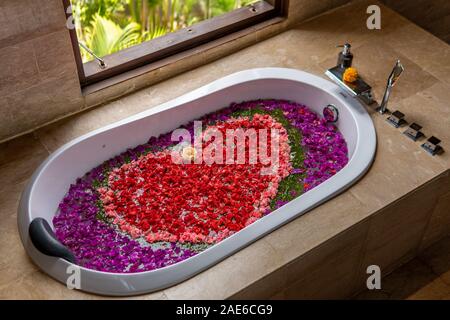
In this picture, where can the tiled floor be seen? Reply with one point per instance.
(425, 277)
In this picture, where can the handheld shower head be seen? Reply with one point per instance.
(395, 73)
(392, 80)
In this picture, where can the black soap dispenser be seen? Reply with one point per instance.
(345, 57)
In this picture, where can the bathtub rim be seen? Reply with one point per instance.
(361, 159)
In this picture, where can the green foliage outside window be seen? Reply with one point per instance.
(107, 26)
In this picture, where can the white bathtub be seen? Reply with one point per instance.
(51, 180)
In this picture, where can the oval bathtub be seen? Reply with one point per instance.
(51, 180)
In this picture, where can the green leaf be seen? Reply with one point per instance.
(105, 36)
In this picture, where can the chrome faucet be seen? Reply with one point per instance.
(392, 80)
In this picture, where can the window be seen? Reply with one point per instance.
(113, 36)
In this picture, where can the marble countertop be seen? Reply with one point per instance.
(400, 166)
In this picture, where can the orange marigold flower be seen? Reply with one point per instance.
(350, 75)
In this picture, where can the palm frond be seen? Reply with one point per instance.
(105, 36)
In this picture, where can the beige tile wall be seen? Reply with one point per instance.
(439, 224)
(38, 77)
(336, 269)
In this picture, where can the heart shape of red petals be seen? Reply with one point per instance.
(155, 198)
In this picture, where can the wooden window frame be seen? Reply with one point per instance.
(174, 42)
